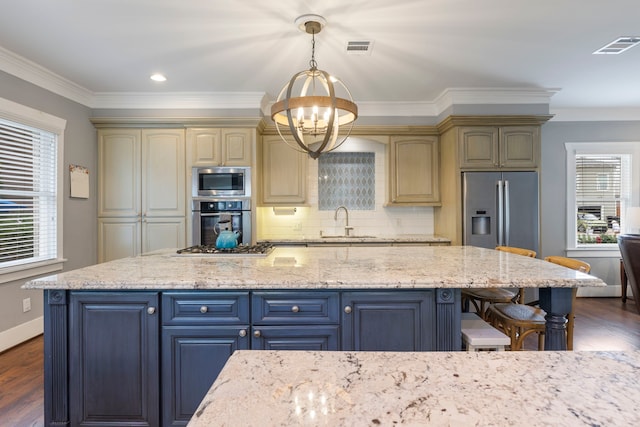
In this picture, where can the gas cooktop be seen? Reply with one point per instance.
(261, 249)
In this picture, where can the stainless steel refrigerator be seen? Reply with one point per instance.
(501, 208)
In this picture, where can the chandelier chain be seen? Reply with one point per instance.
(313, 64)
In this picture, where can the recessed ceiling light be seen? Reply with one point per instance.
(618, 46)
(158, 77)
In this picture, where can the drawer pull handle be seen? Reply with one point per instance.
(242, 333)
(295, 309)
(204, 309)
(151, 310)
(347, 309)
(257, 333)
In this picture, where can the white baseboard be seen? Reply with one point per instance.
(21, 333)
(601, 292)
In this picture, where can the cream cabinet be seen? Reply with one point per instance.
(141, 191)
(219, 147)
(489, 147)
(414, 171)
(283, 173)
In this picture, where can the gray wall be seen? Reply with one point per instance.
(554, 184)
(80, 226)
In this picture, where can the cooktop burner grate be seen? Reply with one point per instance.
(261, 249)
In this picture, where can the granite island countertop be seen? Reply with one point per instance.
(271, 388)
(354, 267)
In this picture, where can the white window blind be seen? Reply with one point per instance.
(602, 192)
(28, 194)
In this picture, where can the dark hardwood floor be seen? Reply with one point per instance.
(22, 385)
(601, 324)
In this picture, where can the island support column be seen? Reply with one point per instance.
(56, 370)
(556, 302)
(448, 314)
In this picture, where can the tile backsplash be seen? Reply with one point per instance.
(309, 221)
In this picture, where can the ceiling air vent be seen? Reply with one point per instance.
(618, 46)
(363, 47)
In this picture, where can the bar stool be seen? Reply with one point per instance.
(521, 320)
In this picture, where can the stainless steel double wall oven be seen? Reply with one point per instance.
(221, 198)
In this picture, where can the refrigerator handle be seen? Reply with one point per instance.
(500, 212)
(506, 213)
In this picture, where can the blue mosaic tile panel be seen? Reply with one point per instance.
(347, 179)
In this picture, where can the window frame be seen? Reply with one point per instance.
(603, 250)
(22, 114)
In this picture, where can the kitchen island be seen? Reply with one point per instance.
(267, 388)
(127, 339)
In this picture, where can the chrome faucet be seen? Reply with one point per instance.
(347, 228)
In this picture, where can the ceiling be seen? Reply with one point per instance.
(420, 48)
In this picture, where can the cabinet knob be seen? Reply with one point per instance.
(347, 309)
(151, 310)
(204, 309)
(242, 333)
(295, 309)
(257, 333)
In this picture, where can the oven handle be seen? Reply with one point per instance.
(221, 213)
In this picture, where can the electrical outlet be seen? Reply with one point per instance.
(297, 226)
(26, 305)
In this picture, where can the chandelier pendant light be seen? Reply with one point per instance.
(308, 107)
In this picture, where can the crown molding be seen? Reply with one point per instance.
(178, 100)
(595, 114)
(33, 73)
(479, 96)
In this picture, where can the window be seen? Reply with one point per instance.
(600, 189)
(30, 196)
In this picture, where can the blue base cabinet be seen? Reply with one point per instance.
(388, 321)
(113, 359)
(147, 358)
(200, 331)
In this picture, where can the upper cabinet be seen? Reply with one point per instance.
(283, 173)
(219, 147)
(489, 147)
(414, 171)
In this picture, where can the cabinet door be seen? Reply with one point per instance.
(236, 147)
(114, 359)
(519, 146)
(479, 147)
(192, 358)
(159, 233)
(118, 238)
(163, 173)
(284, 173)
(119, 172)
(388, 321)
(204, 147)
(414, 171)
(309, 338)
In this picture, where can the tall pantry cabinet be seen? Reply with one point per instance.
(141, 191)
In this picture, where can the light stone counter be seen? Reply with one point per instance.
(352, 267)
(270, 388)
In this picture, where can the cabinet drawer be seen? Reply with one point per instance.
(278, 308)
(191, 308)
(307, 338)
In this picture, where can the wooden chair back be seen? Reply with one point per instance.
(572, 263)
(519, 251)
